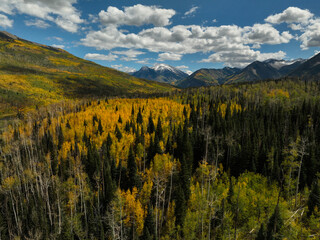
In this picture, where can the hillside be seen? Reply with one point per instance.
(309, 69)
(33, 74)
(207, 77)
(161, 73)
(256, 71)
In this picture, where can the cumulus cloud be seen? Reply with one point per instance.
(185, 39)
(58, 46)
(222, 42)
(129, 55)
(290, 15)
(137, 15)
(103, 57)
(55, 38)
(62, 12)
(122, 68)
(37, 23)
(191, 11)
(5, 22)
(169, 56)
(182, 67)
(311, 35)
(242, 58)
(185, 69)
(266, 34)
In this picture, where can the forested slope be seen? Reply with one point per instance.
(32, 75)
(225, 162)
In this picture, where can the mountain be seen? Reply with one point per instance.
(207, 77)
(256, 71)
(161, 73)
(309, 69)
(269, 69)
(33, 74)
(285, 67)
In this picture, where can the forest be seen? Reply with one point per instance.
(225, 162)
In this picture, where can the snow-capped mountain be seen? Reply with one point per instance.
(161, 73)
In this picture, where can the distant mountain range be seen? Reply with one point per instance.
(256, 71)
(207, 77)
(161, 73)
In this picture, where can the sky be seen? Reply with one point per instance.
(128, 34)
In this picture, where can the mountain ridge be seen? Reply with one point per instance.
(161, 73)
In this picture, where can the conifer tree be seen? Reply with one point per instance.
(100, 129)
(139, 117)
(314, 198)
(159, 131)
(275, 225)
(150, 128)
(118, 133)
(132, 170)
(262, 233)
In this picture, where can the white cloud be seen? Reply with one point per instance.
(171, 43)
(191, 11)
(266, 34)
(242, 58)
(58, 46)
(185, 69)
(122, 68)
(55, 38)
(37, 23)
(5, 22)
(97, 56)
(182, 67)
(129, 55)
(137, 15)
(169, 56)
(291, 15)
(62, 12)
(144, 61)
(311, 34)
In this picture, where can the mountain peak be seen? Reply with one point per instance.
(161, 72)
(162, 67)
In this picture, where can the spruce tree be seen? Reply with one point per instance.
(100, 129)
(150, 128)
(274, 225)
(262, 233)
(159, 131)
(139, 117)
(118, 133)
(314, 198)
(132, 170)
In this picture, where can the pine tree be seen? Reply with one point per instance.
(119, 119)
(60, 137)
(118, 133)
(159, 131)
(274, 225)
(149, 225)
(139, 117)
(100, 129)
(132, 170)
(314, 198)
(262, 233)
(150, 128)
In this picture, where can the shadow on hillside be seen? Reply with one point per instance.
(21, 70)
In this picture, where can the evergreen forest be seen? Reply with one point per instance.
(235, 161)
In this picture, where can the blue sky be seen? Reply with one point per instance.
(187, 34)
